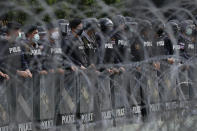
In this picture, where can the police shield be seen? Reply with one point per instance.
(183, 91)
(87, 87)
(24, 98)
(105, 100)
(193, 91)
(136, 88)
(168, 90)
(44, 101)
(68, 101)
(151, 93)
(4, 107)
(120, 101)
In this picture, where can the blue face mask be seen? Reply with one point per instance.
(19, 36)
(189, 31)
(36, 38)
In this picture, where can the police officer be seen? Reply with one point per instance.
(34, 55)
(141, 52)
(73, 47)
(12, 63)
(187, 50)
(122, 37)
(34, 51)
(54, 60)
(162, 46)
(162, 50)
(172, 30)
(141, 49)
(107, 52)
(12, 49)
(187, 39)
(90, 37)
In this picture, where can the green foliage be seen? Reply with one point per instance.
(61, 8)
(111, 1)
(51, 2)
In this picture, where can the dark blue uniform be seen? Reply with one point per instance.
(74, 50)
(12, 57)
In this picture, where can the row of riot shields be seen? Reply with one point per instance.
(88, 100)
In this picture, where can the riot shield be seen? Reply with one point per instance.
(183, 90)
(87, 87)
(120, 84)
(193, 89)
(24, 104)
(151, 93)
(4, 107)
(105, 100)
(69, 101)
(44, 101)
(168, 90)
(136, 87)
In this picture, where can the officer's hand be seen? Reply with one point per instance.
(74, 68)
(1, 74)
(83, 68)
(115, 70)
(122, 69)
(29, 73)
(170, 60)
(156, 65)
(23, 74)
(43, 72)
(110, 71)
(52, 71)
(61, 71)
(97, 72)
(92, 66)
(6, 77)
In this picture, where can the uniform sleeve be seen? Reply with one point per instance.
(69, 57)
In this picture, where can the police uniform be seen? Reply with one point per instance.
(122, 46)
(53, 54)
(108, 45)
(74, 50)
(91, 48)
(34, 56)
(11, 60)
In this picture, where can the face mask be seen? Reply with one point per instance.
(108, 29)
(55, 35)
(36, 38)
(189, 31)
(79, 31)
(19, 36)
